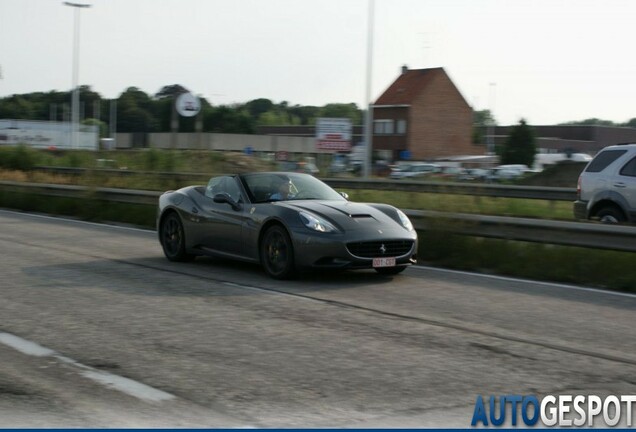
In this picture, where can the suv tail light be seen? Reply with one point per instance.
(578, 189)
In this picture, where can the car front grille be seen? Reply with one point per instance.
(378, 249)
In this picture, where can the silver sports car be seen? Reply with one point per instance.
(285, 221)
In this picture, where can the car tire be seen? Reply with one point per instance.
(172, 237)
(389, 271)
(277, 253)
(610, 215)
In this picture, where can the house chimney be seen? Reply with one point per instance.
(405, 68)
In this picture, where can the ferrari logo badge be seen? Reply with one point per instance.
(383, 249)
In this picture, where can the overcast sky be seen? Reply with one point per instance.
(547, 61)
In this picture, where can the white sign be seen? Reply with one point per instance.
(48, 139)
(333, 134)
(188, 105)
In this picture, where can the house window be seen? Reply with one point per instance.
(383, 127)
(401, 127)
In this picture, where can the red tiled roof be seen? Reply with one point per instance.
(408, 86)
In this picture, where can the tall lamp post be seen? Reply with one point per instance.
(368, 123)
(75, 98)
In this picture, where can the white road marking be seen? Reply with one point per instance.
(107, 379)
(25, 346)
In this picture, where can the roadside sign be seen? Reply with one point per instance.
(333, 134)
(188, 105)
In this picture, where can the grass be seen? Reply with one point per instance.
(593, 267)
(516, 207)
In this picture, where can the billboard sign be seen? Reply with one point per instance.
(44, 139)
(333, 134)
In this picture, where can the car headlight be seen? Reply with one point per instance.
(315, 223)
(406, 223)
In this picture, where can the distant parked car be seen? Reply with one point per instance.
(450, 172)
(607, 186)
(339, 164)
(306, 166)
(416, 170)
(474, 174)
(507, 172)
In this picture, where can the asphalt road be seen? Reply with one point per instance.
(98, 329)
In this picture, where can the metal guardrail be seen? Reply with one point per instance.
(584, 234)
(489, 190)
(128, 196)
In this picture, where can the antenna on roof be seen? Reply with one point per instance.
(426, 46)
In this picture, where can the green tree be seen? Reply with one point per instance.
(18, 107)
(226, 119)
(135, 112)
(630, 123)
(341, 110)
(590, 122)
(481, 120)
(258, 107)
(171, 91)
(306, 115)
(102, 127)
(520, 147)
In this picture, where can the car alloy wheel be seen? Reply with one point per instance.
(610, 215)
(173, 239)
(277, 253)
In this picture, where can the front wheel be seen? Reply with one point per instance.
(277, 253)
(389, 271)
(610, 215)
(172, 237)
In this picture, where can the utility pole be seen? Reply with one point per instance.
(368, 124)
(77, 7)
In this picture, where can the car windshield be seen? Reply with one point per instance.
(268, 187)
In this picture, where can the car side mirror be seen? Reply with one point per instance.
(224, 198)
(344, 195)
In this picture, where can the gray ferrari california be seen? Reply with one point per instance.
(286, 222)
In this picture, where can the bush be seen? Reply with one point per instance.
(19, 158)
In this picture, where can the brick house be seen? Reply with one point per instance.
(423, 113)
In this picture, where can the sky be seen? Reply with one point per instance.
(546, 61)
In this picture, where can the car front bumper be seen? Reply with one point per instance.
(334, 251)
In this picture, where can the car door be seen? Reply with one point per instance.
(625, 183)
(220, 224)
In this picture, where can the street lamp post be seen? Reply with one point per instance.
(368, 123)
(75, 92)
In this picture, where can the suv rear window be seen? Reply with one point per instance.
(603, 159)
(629, 169)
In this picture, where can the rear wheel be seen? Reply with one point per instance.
(390, 270)
(277, 253)
(172, 239)
(610, 215)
